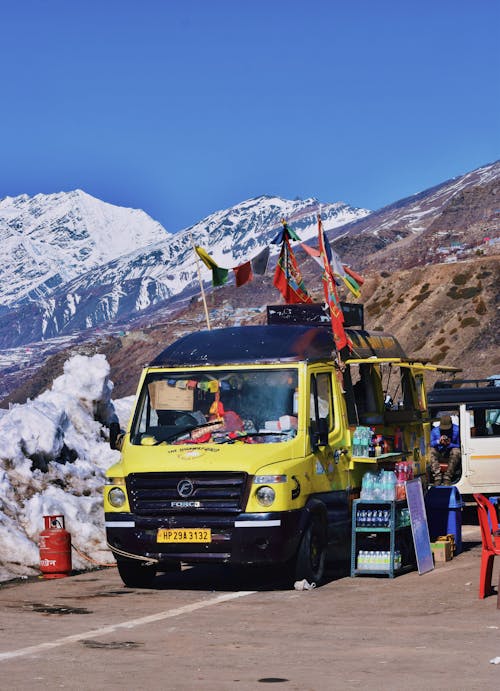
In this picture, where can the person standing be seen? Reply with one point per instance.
(445, 448)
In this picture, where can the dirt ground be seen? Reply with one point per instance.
(212, 628)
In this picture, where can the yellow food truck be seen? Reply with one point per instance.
(248, 445)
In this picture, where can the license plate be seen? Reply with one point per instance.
(184, 535)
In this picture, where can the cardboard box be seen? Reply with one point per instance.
(165, 397)
(442, 551)
(448, 538)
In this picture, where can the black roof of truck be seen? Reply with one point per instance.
(270, 343)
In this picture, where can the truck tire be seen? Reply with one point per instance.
(135, 574)
(311, 555)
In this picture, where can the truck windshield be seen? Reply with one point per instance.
(219, 406)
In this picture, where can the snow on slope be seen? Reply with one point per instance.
(151, 274)
(47, 240)
(53, 455)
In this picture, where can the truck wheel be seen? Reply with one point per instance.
(135, 574)
(310, 559)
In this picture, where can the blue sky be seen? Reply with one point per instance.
(184, 107)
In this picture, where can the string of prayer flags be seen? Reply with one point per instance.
(257, 266)
(339, 270)
(350, 278)
(243, 273)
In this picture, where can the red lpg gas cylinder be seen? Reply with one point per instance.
(55, 548)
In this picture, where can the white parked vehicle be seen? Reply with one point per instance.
(476, 403)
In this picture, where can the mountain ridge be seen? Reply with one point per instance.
(46, 240)
(431, 276)
(157, 271)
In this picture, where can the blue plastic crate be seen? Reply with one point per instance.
(443, 505)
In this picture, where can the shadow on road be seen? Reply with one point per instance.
(224, 578)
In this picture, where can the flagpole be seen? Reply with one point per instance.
(201, 283)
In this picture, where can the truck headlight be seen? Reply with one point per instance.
(116, 497)
(265, 495)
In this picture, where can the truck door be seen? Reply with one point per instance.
(481, 448)
(323, 416)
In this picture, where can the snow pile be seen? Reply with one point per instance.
(53, 454)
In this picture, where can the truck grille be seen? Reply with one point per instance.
(157, 494)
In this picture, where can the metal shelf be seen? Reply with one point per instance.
(387, 539)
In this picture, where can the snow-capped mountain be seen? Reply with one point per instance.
(156, 271)
(47, 240)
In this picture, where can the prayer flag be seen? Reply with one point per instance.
(205, 257)
(260, 262)
(359, 279)
(243, 274)
(285, 232)
(331, 297)
(287, 277)
(312, 252)
(219, 275)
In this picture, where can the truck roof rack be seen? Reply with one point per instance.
(315, 314)
(473, 392)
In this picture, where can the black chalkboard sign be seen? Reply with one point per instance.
(419, 527)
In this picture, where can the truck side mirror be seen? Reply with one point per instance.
(114, 433)
(318, 433)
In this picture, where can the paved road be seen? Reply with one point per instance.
(209, 628)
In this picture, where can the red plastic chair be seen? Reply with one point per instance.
(491, 549)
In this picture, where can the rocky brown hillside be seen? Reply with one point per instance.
(445, 313)
(445, 223)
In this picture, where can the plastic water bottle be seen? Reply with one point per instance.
(355, 443)
(389, 485)
(364, 441)
(367, 486)
(397, 560)
(362, 560)
(377, 488)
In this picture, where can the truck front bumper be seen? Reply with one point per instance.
(259, 538)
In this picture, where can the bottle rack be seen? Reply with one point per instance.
(392, 534)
